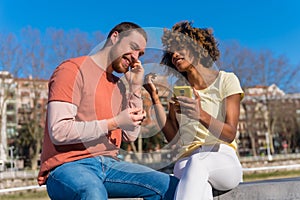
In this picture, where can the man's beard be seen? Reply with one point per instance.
(118, 67)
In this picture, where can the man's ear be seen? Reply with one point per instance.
(114, 37)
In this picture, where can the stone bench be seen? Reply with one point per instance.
(275, 189)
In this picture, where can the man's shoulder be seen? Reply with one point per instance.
(77, 60)
(73, 64)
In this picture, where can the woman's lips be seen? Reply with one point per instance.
(178, 61)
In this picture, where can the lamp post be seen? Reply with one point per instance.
(268, 147)
(11, 155)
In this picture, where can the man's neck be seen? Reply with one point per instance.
(101, 59)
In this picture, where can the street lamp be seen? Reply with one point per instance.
(268, 147)
(11, 155)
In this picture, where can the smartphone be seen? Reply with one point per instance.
(183, 91)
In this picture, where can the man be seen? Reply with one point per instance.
(89, 114)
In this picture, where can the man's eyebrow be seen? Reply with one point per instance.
(136, 46)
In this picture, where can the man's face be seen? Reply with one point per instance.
(126, 51)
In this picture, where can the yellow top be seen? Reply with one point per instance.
(192, 133)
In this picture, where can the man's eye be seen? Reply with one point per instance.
(141, 54)
(134, 48)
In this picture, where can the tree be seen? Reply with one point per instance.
(261, 68)
(10, 65)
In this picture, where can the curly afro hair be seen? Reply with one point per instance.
(199, 41)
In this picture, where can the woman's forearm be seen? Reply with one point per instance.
(164, 122)
(220, 130)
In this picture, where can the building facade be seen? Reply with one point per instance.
(22, 99)
(269, 122)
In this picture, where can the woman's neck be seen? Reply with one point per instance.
(201, 77)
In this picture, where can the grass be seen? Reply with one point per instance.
(271, 175)
(26, 195)
(42, 195)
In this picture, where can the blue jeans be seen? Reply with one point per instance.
(100, 178)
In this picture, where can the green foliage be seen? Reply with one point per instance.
(27, 195)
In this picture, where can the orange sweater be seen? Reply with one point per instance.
(97, 96)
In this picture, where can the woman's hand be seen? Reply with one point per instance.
(188, 106)
(149, 85)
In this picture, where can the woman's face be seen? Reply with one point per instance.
(182, 59)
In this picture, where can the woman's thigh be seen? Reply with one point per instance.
(223, 168)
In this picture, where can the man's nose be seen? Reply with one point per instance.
(135, 55)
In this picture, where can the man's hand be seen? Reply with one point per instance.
(135, 76)
(129, 119)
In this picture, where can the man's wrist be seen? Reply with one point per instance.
(138, 95)
(112, 124)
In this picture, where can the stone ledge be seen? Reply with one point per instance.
(275, 189)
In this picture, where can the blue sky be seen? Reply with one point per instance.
(256, 24)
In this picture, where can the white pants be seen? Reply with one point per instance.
(207, 167)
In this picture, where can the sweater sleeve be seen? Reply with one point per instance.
(134, 101)
(63, 129)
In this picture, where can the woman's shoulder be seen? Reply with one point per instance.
(227, 73)
(228, 76)
(230, 84)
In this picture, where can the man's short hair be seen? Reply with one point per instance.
(127, 27)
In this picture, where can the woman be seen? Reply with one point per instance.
(205, 125)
